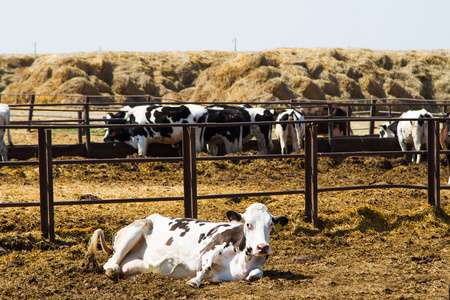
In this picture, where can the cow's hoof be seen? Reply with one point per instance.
(253, 278)
(254, 275)
(113, 274)
(194, 283)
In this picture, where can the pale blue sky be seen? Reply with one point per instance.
(59, 26)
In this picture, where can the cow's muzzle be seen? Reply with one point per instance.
(263, 249)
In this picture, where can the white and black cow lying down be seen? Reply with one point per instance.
(139, 138)
(4, 120)
(414, 132)
(233, 137)
(290, 133)
(182, 248)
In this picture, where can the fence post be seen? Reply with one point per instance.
(433, 165)
(311, 175)
(330, 127)
(30, 111)
(43, 187)
(88, 131)
(49, 178)
(190, 173)
(80, 130)
(373, 112)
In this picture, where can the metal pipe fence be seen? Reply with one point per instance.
(190, 159)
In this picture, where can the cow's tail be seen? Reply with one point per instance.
(92, 247)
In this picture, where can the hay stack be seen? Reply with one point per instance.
(208, 76)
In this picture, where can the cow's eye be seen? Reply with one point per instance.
(249, 226)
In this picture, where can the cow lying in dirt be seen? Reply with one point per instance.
(182, 248)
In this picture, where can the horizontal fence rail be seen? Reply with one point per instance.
(189, 160)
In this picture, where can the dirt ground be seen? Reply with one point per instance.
(371, 244)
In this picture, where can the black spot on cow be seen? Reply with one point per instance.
(230, 237)
(169, 241)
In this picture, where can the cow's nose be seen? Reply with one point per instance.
(263, 248)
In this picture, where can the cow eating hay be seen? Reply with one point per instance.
(182, 248)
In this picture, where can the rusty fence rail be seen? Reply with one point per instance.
(189, 160)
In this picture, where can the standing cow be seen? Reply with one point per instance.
(290, 133)
(233, 137)
(182, 248)
(4, 120)
(139, 138)
(411, 132)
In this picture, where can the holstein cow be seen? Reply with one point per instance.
(139, 138)
(444, 139)
(414, 132)
(339, 128)
(290, 133)
(388, 130)
(4, 120)
(182, 248)
(235, 136)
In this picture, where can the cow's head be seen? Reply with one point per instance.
(258, 223)
(388, 130)
(116, 134)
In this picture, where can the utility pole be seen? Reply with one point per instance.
(235, 43)
(34, 47)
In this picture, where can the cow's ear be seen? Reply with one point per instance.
(280, 222)
(234, 216)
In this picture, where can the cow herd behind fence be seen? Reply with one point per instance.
(141, 123)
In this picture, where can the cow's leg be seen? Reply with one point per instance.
(417, 146)
(125, 240)
(133, 268)
(403, 146)
(294, 137)
(262, 140)
(254, 275)
(207, 261)
(283, 139)
(3, 150)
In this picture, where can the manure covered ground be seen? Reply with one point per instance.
(371, 244)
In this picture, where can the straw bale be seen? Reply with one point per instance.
(148, 85)
(279, 89)
(124, 85)
(395, 89)
(312, 91)
(349, 87)
(328, 87)
(314, 68)
(78, 85)
(372, 87)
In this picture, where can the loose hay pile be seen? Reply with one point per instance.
(209, 76)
